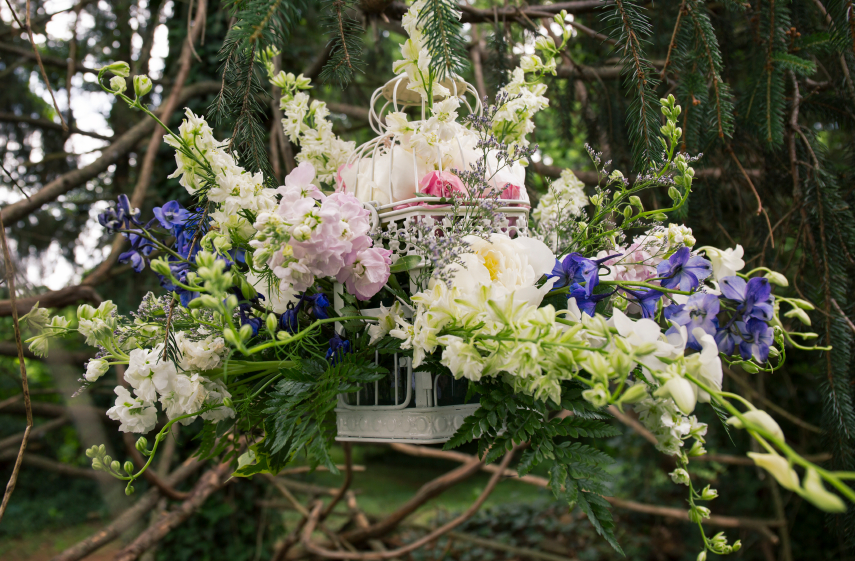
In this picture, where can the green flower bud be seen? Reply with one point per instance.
(142, 85)
(702, 556)
(129, 490)
(698, 513)
(636, 202)
(129, 467)
(232, 302)
(737, 545)
(627, 212)
(142, 445)
(708, 494)
(803, 304)
(118, 85)
(115, 466)
(749, 367)
(97, 465)
(231, 337)
(245, 332)
(108, 461)
(777, 278)
(697, 449)
(122, 69)
(597, 396)
(815, 492)
(674, 193)
(247, 289)
(271, 322)
(92, 452)
(634, 393)
(227, 401)
(799, 314)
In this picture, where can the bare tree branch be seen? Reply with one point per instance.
(45, 124)
(128, 518)
(211, 481)
(48, 464)
(46, 18)
(10, 284)
(121, 146)
(53, 299)
(9, 349)
(306, 536)
(32, 432)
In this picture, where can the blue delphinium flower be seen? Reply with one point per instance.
(699, 311)
(757, 337)
(141, 248)
(578, 270)
(646, 300)
(338, 348)
(289, 321)
(587, 302)
(682, 271)
(319, 303)
(754, 297)
(120, 217)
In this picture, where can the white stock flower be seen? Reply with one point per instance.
(725, 263)
(96, 368)
(386, 322)
(149, 373)
(461, 358)
(134, 413)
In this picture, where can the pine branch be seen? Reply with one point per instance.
(629, 27)
(345, 44)
(708, 46)
(441, 27)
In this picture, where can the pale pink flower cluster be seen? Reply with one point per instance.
(328, 238)
(633, 263)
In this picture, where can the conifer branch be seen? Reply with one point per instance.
(345, 45)
(441, 27)
(629, 27)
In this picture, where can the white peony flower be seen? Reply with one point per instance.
(509, 267)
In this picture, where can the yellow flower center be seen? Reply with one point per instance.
(492, 262)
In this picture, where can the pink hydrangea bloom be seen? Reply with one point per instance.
(368, 273)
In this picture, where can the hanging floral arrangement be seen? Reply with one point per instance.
(416, 262)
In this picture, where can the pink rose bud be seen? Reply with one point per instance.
(442, 184)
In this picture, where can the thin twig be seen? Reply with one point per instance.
(29, 29)
(845, 317)
(15, 181)
(10, 285)
(306, 537)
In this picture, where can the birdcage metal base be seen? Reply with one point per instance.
(415, 425)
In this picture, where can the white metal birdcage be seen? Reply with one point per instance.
(408, 406)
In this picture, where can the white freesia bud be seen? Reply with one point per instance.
(779, 468)
(142, 85)
(118, 84)
(799, 314)
(702, 556)
(815, 492)
(777, 278)
(681, 391)
(96, 368)
(760, 419)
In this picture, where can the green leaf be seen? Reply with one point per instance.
(405, 263)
